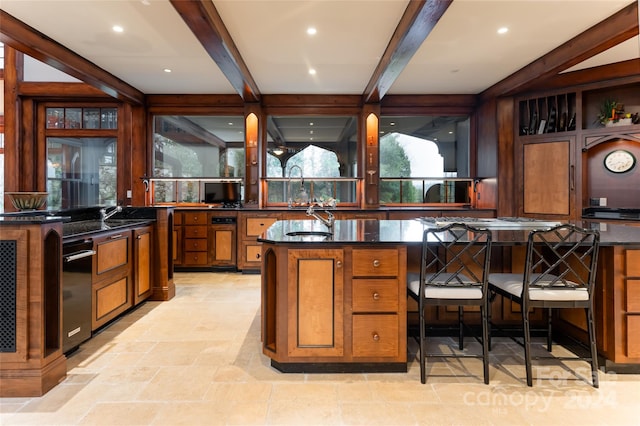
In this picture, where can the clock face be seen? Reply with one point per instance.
(619, 161)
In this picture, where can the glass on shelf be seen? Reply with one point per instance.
(91, 118)
(55, 118)
(73, 118)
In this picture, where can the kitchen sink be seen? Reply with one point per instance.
(309, 234)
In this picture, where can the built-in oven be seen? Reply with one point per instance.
(77, 264)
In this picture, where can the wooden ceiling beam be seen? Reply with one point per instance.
(416, 23)
(610, 32)
(30, 41)
(206, 24)
(619, 71)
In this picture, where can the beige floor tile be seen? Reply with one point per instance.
(197, 360)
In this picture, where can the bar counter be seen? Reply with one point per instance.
(335, 299)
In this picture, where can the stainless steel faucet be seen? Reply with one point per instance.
(302, 193)
(328, 221)
(105, 216)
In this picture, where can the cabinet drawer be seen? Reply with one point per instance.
(375, 262)
(195, 231)
(257, 225)
(253, 252)
(199, 218)
(375, 295)
(195, 258)
(195, 244)
(112, 253)
(375, 335)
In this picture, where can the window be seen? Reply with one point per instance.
(81, 172)
(311, 157)
(424, 159)
(195, 146)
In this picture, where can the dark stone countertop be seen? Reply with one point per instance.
(364, 231)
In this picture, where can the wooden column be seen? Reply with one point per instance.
(371, 170)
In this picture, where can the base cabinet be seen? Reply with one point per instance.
(142, 266)
(250, 226)
(329, 308)
(111, 283)
(316, 303)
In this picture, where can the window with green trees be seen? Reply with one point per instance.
(422, 158)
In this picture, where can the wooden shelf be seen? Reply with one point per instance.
(547, 114)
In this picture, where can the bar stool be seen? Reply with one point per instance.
(559, 273)
(453, 272)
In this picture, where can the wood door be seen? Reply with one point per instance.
(142, 270)
(547, 178)
(316, 303)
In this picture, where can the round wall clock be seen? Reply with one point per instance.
(619, 161)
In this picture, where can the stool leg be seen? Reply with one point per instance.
(460, 328)
(527, 345)
(594, 350)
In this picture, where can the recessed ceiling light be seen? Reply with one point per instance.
(278, 151)
(230, 123)
(310, 132)
(117, 29)
(167, 70)
(393, 123)
(450, 133)
(311, 31)
(503, 30)
(312, 71)
(311, 123)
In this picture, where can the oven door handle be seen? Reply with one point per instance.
(79, 255)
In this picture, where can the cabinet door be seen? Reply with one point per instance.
(548, 178)
(316, 303)
(142, 264)
(224, 245)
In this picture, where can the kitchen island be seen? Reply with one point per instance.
(335, 300)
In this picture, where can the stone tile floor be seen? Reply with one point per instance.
(197, 360)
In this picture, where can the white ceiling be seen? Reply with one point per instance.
(462, 55)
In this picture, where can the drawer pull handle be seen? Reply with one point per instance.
(338, 264)
(376, 263)
(375, 336)
(376, 296)
(115, 237)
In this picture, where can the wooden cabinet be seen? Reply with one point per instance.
(142, 270)
(331, 308)
(618, 306)
(111, 283)
(250, 226)
(316, 307)
(31, 358)
(547, 173)
(222, 240)
(378, 306)
(195, 239)
(177, 239)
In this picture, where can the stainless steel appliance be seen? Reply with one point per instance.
(77, 263)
